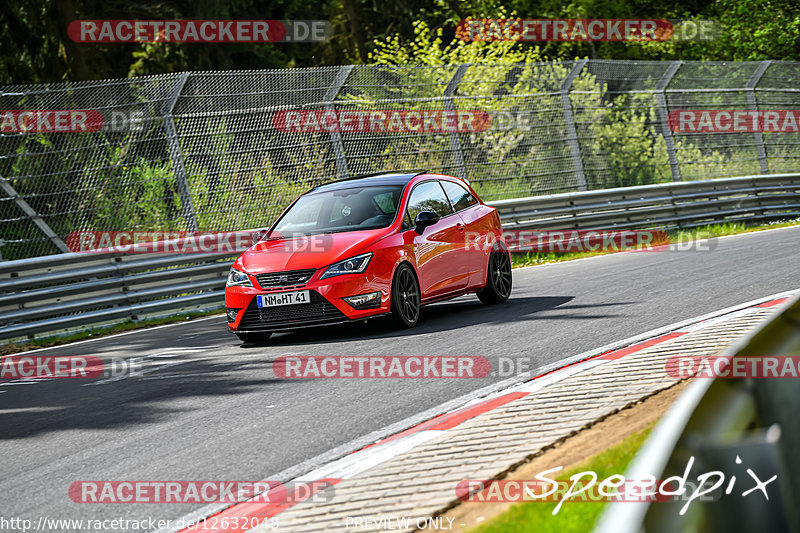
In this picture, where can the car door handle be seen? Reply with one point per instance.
(460, 226)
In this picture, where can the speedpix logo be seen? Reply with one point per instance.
(617, 487)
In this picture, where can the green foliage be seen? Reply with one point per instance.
(34, 46)
(751, 30)
(139, 194)
(621, 143)
(573, 516)
(427, 48)
(624, 148)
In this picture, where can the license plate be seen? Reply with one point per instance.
(283, 298)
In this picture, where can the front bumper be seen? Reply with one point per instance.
(327, 305)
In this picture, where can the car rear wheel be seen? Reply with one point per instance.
(257, 337)
(405, 297)
(498, 279)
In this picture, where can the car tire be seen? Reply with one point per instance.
(405, 298)
(498, 279)
(258, 337)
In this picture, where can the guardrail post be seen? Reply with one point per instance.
(32, 214)
(455, 140)
(175, 154)
(753, 106)
(336, 135)
(569, 119)
(661, 98)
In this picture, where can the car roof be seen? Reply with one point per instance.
(386, 178)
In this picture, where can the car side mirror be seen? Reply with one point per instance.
(258, 235)
(425, 219)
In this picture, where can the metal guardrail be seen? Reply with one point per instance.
(58, 293)
(665, 205)
(76, 291)
(717, 421)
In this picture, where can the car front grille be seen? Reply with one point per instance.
(285, 280)
(318, 312)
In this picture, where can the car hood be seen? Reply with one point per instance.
(300, 253)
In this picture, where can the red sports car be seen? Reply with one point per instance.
(359, 248)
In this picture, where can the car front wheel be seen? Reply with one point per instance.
(405, 297)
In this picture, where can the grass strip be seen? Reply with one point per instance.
(574, 516)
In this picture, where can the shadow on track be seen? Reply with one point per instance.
(463, 312)
(86, 404)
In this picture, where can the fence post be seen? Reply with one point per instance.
(753, 106)
(181, 181)
(455, 140)
(336, 135)
(661, 98)
(569, 120)
(33, 215)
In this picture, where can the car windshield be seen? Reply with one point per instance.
(353, 209)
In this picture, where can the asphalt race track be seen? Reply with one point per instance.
(208, 408)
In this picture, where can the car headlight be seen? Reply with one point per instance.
(354, 265)
(238, 278)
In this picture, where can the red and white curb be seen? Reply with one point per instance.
(403, 441)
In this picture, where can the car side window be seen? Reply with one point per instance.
(460, 197)
(428, 196)
(407, 221)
